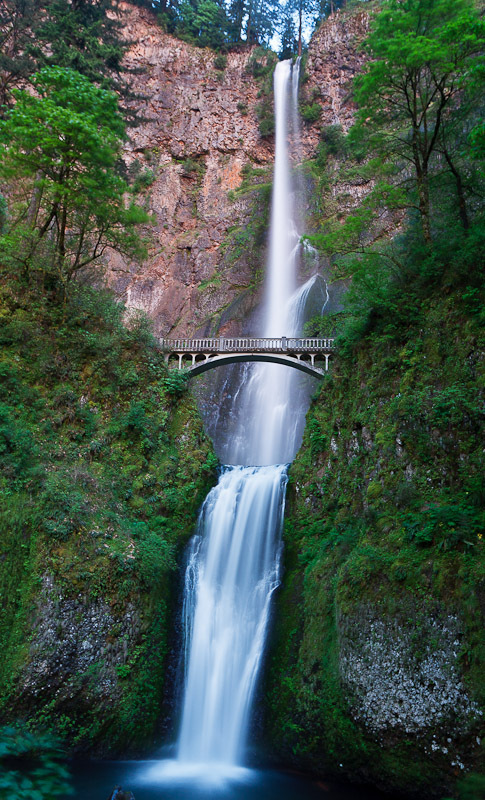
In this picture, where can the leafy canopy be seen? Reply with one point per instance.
(422, 55)
(60, 149)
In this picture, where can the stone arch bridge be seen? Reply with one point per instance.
(199, 355)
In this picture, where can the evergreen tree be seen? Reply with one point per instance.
(236, 13)
(262, 18)
(204, 22)
(289, 45)
(17, 21)
(83, 35)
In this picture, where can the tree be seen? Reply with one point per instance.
(289, 44)
(17, 20)
(82, 35)
(204, 21)
(261, 16)
(87, 36)
(60, 148)
(304, 11)
(421, 55)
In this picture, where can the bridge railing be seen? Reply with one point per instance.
(246, 344)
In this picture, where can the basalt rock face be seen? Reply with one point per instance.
(199, 134)
(334, 58)
(199, 130)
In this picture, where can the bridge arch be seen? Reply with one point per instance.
(275, 358)
(309, 355)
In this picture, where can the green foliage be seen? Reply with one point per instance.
(31, 766)
(423, 57)
(220, 62)
(385, 512)
(190, 166)
(176, 383)
(310, 112)
(202, 23)
(446, 526)
(332, 142)
(471, 787)
(85, 37)
(60, 151)
(3, 213)
(143, 180)
(102, 470)
(265, 114)
(261, 64)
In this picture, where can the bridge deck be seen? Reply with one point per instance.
(241, 344)
(309, 355)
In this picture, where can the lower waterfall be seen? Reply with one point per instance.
(232, 571)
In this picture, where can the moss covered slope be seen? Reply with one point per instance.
(103, 465)
(376, 669)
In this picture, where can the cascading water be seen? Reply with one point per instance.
(268, 432)
(232, 572)
(233, 563)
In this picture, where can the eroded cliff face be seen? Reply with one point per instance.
(199, 134)
(334, 58)
(200, 129)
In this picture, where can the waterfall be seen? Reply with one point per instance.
(233, 561)
(231, 575)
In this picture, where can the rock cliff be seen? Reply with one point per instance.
(201, 151)
(199, 130)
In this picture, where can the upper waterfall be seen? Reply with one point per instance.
(273, 401)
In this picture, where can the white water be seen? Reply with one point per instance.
(231, 575)
(233, 563)
(269, 430)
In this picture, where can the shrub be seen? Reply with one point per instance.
(220, 62)
(175, 383)
(265, 114)
(143, 180)
(310, 113)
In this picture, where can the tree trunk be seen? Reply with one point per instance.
(423, 193)
(420, 165)
(34, 204)
(462, 209)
